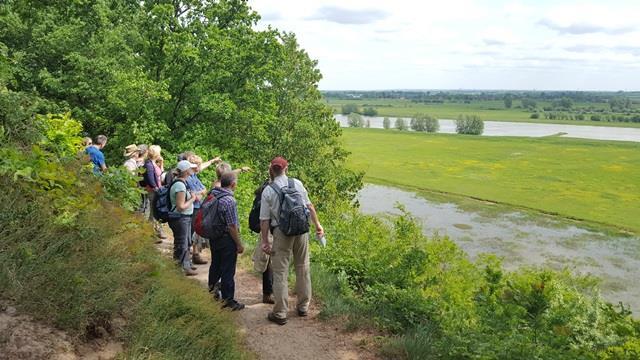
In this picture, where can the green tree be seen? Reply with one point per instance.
(349, 108)
(370, 111)
(469, 125)
(386, 123)
(508, 101)
(401, 124)
(355, 120)
(528, 103)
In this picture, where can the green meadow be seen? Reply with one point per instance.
(596, 181)
(487, 110)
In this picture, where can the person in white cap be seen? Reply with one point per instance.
(180, 215)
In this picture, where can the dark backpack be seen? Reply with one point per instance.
(294, 215)
(208, 222)
(161, 205)
(254, 214)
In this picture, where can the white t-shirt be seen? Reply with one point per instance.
(270, 203)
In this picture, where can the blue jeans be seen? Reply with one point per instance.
(181, 228)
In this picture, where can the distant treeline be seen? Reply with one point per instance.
(440, 96)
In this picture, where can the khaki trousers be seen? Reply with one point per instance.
(283, 247)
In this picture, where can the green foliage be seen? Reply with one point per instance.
(386, 123)
(423, 122)
(355, 120)
(350, 108)
(469, 125)
(508, 101)
(176, 74)
(529, 103)
(401, 124)
(122, 187)
(535, 115)
(370, 111)
(446, 307)
(70, 257)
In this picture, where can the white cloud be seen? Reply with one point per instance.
(465, 43)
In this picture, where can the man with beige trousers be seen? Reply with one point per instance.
(284, 246)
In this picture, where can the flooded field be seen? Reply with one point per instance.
(505, 128)
(523, 239)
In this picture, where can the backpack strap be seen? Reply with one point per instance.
(173, 208)
(292, 184)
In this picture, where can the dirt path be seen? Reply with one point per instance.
(300, 338)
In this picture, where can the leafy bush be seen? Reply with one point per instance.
(355, 120)
(534, 116)
(401, 124)
(72, 258)
(422, 122)
(370, 111)
(447, 307)
(349, 108)
(386, 123)
(469, 125)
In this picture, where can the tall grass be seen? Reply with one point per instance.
(72, 259)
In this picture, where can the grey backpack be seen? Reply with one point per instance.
(294, 215)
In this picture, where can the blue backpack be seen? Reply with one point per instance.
(161, 205)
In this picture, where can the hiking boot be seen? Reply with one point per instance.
(268, 299)
(194, 268)
(190, 272)
(274, 319)
(198, 260)
(302, 313)
(233, 305)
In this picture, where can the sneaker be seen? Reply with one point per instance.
(198, 260)
(274, 319)
(233, 305)
(268, 299)
(190, 272)
(217, 293)
(302, 313)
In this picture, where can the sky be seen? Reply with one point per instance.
(465, 44)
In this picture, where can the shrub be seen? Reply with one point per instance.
(422, 122)
(444, 306)
(370, 111)
(401, 124)
(469, 125)
(349, 108)
(386, 123)
(534, 116)
(355, 120)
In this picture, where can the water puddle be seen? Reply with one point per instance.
(523, 239)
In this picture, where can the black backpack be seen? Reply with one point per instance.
(294, 215)
(254, 214)
(161, 205)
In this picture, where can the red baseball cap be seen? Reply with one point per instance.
(279, 162)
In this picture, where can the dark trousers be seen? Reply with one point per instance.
(181, 228)
(267, 280)
(223, 268)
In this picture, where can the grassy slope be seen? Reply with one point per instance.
(592, 180)
(487, 110)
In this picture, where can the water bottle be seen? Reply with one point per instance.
(322, 240)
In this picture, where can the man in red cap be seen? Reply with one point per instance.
(292, 192)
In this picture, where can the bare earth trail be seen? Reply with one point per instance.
(300, 338)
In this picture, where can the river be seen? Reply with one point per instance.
(523, 239)
(504, 128)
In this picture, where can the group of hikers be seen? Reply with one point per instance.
(200, 217)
